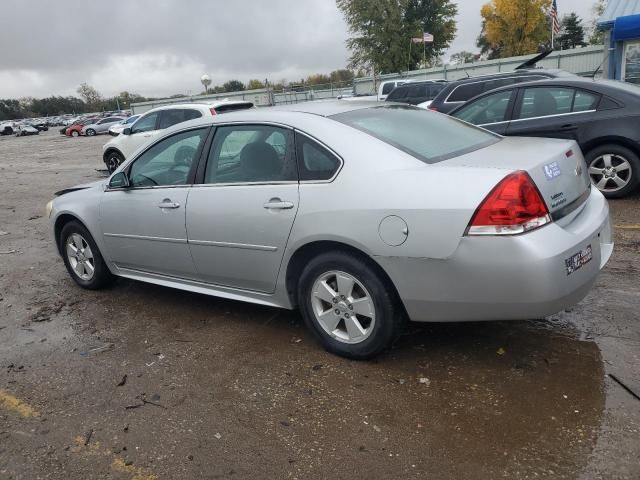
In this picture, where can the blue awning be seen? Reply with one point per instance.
(626, 28)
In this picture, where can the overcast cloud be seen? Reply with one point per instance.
(162, 47)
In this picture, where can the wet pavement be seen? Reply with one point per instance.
(142, 382)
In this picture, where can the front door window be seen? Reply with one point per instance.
(168, 162)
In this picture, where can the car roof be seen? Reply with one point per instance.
(324, 108)
(600, 86)
(514, 73)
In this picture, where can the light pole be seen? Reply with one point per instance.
(206, 81)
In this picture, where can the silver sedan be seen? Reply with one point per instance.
(357, 214)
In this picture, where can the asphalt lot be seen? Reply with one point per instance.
(141, 382)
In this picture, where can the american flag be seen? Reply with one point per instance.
(554, 18)
(426, 38)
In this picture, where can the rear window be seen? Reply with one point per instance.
(427, 136)
(466, 92)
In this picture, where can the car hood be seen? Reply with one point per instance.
(84, 186)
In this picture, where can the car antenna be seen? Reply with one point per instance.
(595, 72)
(465, 71)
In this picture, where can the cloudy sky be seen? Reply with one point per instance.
(162, 47)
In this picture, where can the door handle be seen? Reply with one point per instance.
(568, 126)
(167, 203)
(277, 204)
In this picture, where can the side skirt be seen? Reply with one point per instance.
(202, 287)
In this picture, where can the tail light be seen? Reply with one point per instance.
(514, 206)
(213, 111)
(435, 109)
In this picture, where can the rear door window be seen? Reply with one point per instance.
(251, 154)
(171, 117)
(418, 93)
(545, 101)
(399, 93)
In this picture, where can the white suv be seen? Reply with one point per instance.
(151, 124)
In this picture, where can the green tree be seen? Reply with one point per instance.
(254, 84)
(596, 37)
(460, 58)
(91, 96)
(381, 31)
(437, 17)
(341, 76)
(233, 86)
(571, 34)
(514, 27)
(317, 79)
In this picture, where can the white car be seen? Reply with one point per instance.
(117, 129)
(153, 122)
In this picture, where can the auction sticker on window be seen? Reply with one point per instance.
(577, 261)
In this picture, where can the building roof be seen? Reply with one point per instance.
(618, 8)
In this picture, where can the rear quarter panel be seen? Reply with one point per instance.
(376, 181)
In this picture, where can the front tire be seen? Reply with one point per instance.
(348, 306)
(82, 257)
(75, 133)
(614, 170)
(113, 161)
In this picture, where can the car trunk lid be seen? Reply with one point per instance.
(557, 167)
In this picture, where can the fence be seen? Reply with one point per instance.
(581, 61)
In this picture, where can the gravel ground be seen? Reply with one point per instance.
(141, 382)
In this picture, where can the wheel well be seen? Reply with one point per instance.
(622, 141)
(61, 221)
(304, 254)
(109, 151)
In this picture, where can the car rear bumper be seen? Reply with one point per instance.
(502, 278)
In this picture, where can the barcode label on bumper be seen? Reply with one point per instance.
(575, 262)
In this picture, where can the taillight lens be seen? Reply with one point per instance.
(514, 206)
(435, 109)
(213, 111)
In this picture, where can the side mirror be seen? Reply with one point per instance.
(119, 180)
(127, 131)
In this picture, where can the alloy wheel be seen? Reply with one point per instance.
(113, 162)
(610, 172)
(80, 256)
(343, 307)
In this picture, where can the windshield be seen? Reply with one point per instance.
(428, 136)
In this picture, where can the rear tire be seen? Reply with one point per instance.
(90, 132)
(358, 316)
(82, 257)
(614, 170)
(75, 133)
(113, 161)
